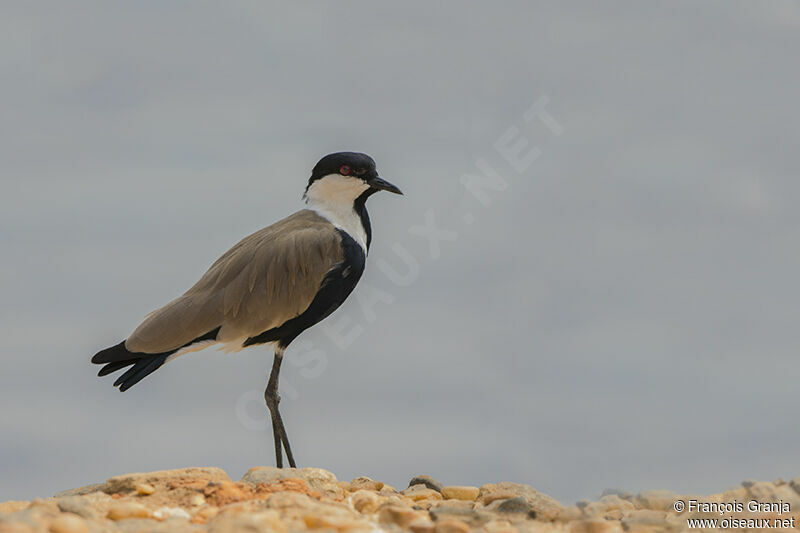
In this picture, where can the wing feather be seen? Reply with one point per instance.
(264, 280)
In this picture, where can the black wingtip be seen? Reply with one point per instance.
(113, 367)
(118, 352)
(141, 369)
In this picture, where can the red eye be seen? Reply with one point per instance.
(344, 170)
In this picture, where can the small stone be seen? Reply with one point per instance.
(197, 499)
(421, 492)
(144, 489)
(291, 500)
(204, 514)
(123, 510)
(365, 501)
(164, 513)
(616, 502)
(457, 492)
(569, 514)
(593, 509)
(428, 481)
(227, 492)
(473, 517)
(656, 500)
(233, 522)
(451, 525)
(516, 505)
(421, 525)
(13, 506)
(68, 523)
(490, 497)
(365, 483)
(546, 508)
(78, 505)
(747, 483)
(337, 522)
(388, 491)
(394, 514)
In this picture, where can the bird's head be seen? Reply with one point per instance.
(343, 177)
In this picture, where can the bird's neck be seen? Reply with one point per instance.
(344, 212)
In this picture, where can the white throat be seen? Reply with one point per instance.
(332, 196)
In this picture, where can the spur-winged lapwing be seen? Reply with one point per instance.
(269, 287)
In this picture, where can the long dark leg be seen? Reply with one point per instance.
(273, 399)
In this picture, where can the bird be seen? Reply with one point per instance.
(269, 287)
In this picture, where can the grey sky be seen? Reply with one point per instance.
(623, 314)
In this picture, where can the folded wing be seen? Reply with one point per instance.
(266, 279)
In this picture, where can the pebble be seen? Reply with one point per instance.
(569, 514)
(451, 525)
(421, 525)
(472, 517)
(78, 505)
(457, 492)
(220, 494)
(268, 520)
(144, 489)
(421, 492)
(516, 505)
(204, 514)
(365, 483)
(394, 514)
(428, 481)
(69, 523)
(123, 510)
(163, 513)
(365, 502)
(339, 523)
(490, 497)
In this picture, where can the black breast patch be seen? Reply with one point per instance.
(337, 285)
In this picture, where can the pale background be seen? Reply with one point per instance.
(624, 314)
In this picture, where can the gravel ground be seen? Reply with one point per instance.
(285, 500)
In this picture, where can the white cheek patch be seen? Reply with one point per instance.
(332, 196)
(336, 189)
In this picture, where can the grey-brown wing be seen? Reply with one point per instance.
(266, 279)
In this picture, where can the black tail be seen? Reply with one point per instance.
(141, 364)
(118, 357)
